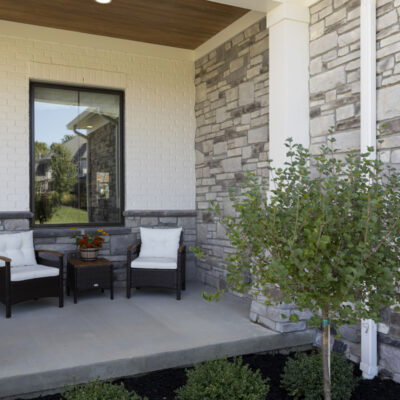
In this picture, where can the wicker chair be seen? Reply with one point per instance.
(157, 260)
(25, 274)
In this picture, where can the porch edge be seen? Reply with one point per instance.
(53, 381)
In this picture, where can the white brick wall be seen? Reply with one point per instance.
(159, 113)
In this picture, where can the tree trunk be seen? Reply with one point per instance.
(326, 356)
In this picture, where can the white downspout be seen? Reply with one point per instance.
(369, 356)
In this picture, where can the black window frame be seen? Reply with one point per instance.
(121, 94)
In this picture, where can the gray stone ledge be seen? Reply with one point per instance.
(15, 214)
(50, 232)
(388, 340)
(160, 213)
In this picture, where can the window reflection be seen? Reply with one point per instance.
(76, 156)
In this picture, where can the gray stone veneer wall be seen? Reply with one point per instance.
(335, 73)
(335, 101)
(232, 134)
(388, 80)
(116, 243)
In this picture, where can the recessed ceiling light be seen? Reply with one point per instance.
(103, 1)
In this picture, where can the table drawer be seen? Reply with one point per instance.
(91, 278)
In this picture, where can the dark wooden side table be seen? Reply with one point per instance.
(87, 275)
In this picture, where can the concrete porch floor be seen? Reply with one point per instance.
(42, 347)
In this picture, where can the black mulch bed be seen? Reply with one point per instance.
(162, 384)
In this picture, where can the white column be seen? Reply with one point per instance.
(368, 75)
(369, 356)
(288, 77)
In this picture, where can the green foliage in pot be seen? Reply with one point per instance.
(98, 390)
(223, 380)
(302, 377)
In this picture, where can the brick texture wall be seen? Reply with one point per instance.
(159, 115)
(232, 133)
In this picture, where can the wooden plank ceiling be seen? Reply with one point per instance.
(178, 23)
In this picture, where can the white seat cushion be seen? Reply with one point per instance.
(32, 272)
(160, 242)
(154, 263)
(18, 247)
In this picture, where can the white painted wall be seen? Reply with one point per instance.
(159, 109)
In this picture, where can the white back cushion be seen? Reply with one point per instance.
(160, 242)
(18, 247)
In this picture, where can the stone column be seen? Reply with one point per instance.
(289, 117)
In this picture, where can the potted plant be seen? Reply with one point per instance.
(89, 244)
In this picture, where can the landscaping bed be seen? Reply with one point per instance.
(161, 385)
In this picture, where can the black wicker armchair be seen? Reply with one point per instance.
(28, 282)
(151, 272)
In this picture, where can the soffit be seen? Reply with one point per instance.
(178, 23)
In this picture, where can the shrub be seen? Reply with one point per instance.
(223, 380)
(69, 199)
(302, 377)
(97, 390)
(44, 206)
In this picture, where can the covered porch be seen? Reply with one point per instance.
(44, 347)
(204, 98)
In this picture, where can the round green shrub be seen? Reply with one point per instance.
(97, 390)
(302, 377)
(223, 380)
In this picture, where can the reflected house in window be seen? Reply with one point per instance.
(43, 172)
(96, 161)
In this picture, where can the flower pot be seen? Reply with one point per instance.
(89, 254)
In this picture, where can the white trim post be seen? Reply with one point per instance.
(288, 78)
(368, 75)
(369, 354)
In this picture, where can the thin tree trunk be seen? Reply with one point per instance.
(326, 355)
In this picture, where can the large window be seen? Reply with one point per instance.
(76, 155)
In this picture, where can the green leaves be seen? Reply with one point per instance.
(302, 377)
(97, 390)
(223, 380)
(294, 318)
(198, 253)
(327, 234)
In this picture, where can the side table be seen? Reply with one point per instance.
(86, 275)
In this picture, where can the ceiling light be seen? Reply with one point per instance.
(89, 127)
(103, 1)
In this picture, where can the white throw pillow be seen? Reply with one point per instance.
(160, 242)
(18, 247)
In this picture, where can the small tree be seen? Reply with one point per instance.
(64, 170)
(327, 236)
(41, 149)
